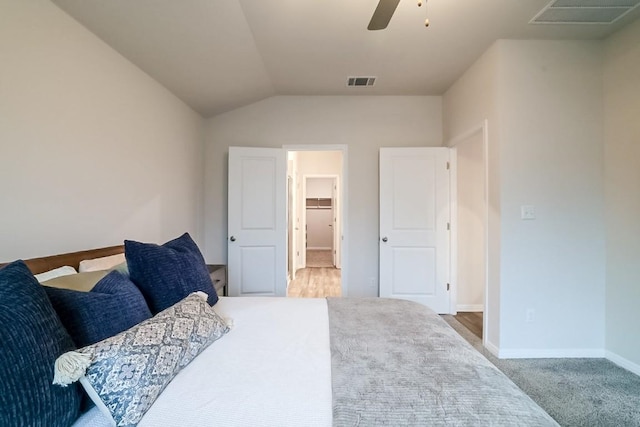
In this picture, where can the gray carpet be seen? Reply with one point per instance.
(575, 392)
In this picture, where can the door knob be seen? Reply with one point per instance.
(384, 239)
(232, 238)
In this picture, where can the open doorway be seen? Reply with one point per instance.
(471, 231)
(320, 204)
(315, 223)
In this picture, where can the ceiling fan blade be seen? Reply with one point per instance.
(383, 14)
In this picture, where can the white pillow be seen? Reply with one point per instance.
(56, 272)
(103, 263)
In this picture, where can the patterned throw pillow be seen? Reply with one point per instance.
(167, 273)
(113, 305)
(31, 338)
(126, 373)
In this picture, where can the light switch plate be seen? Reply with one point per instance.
(527, 212)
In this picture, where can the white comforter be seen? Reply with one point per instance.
(272, 369)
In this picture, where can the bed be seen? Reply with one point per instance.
(340, 362)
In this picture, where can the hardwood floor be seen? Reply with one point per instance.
(316, 282)
(472, 321)
(319, 258)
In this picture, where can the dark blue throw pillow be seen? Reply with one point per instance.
(32, 338)
(114, 305)
(166, 274)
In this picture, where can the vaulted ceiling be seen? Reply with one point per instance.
(218, 55)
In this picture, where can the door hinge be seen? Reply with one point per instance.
(448, 286)
(448, 166)
(448, 226)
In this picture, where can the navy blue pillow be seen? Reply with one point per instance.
(32, 338)
(114, 305)
(168, 273)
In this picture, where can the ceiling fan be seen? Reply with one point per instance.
(383, 13)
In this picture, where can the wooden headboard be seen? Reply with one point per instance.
(40, 265)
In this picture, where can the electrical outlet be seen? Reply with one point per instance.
(530, 315)
(527, 212)
(372, 282)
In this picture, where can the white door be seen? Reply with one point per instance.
(414, 222)
(257, 251)
(337, 234)
(291, 260)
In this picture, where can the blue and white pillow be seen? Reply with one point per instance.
(126, 373)
(165, 274)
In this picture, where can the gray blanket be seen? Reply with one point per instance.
(397, 363)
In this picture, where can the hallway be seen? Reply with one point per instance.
(316, 282)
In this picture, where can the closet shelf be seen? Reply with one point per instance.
(318, 203)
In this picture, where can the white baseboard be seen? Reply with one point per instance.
(563, 353)
(318, 249)
(554, 353)
(622, 362)
(591, 353)
(470, 307)
(492, 348)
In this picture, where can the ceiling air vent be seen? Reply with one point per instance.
(363, 81)
(584, 11)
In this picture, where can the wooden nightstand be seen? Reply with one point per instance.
(218, 273)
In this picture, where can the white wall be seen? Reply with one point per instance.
(362, 123)
(545, 129)
(320, 163)
(318, 188)
(622, 180)
(93, 150)
(319, 233)
(551, 157)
